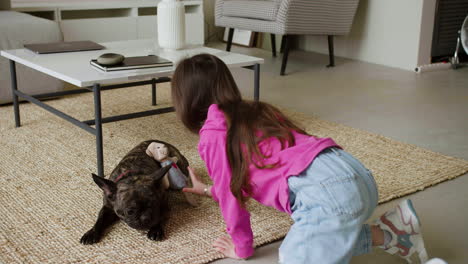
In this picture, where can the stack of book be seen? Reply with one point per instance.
(130, 63)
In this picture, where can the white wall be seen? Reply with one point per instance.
(388, 32)
(427, 30)
(395, 33)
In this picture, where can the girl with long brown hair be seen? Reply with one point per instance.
(252, 150)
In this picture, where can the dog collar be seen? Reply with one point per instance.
(122, 175)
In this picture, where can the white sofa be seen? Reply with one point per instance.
(17, 29)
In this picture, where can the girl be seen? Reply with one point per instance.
(252, 150)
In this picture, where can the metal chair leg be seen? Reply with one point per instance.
(331, 53)
(255, 39)
(229, 42)
(286, 40)
(98, 127)
(153, 92)
(14, 88)
(273, 44)
(282, 44)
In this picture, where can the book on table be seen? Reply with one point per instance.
(68, 46)
(131, 63)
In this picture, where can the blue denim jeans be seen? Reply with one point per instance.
(330, 201)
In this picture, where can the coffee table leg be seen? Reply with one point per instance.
(256, 82)
(14, 87)
(98, 126)
(153, 92)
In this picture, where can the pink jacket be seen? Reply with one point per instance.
(270, 185)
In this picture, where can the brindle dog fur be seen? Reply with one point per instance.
(134, 193)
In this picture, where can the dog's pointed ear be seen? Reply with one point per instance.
(106, 185)
(159, 174)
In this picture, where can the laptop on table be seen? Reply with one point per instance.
(69, 46)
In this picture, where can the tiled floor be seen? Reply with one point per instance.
(429, 110)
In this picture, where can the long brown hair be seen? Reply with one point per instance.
(203, 80)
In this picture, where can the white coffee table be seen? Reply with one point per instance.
(74, 68)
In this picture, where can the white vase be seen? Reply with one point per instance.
(171, 24)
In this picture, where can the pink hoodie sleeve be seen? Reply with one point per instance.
(237, 219)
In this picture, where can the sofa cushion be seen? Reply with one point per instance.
(264, 10)
(5, 5)
(17, 29)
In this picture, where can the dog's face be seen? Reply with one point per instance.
(138, 200)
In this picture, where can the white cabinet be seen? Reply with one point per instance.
(113, 20)
(99, 29)
(195, 32)
(147, 27)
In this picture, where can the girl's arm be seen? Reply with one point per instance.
(237, 219)
(223, 244)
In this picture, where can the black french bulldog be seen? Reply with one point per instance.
(135, 194)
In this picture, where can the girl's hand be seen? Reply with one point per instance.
(225, 245)
(198, 186)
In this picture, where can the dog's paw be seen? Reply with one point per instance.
(90, 237)
(156, 233)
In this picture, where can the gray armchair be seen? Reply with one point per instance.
(287, 17)
(17, 29)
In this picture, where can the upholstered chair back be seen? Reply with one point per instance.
(5, 5)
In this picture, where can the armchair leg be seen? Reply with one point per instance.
(229, 41)
(273, 44)
(331, 53)
(255, 39)
(286, 42)
(282, 44)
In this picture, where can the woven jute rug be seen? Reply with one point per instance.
(48, 199)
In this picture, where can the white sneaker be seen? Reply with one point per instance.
(404, 226)
(436, 261)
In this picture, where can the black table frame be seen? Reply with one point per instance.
(98, 119)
